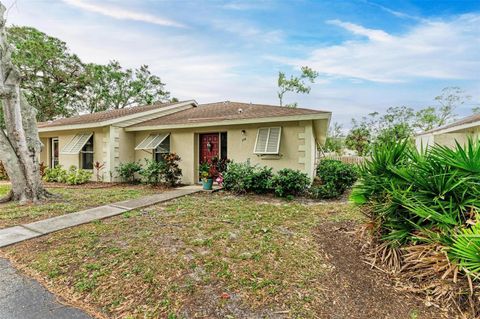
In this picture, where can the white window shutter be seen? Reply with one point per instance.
(75, 145)
(268, 140)
(273, 143)
(262, 138)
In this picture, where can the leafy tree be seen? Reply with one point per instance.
(112, 87)
(296, 84)
(395, 125)
(359, 138)
(334, 142)
(52, 77)
(435, 116)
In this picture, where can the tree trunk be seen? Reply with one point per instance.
(20, 144)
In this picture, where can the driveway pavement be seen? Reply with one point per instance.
(24, 298)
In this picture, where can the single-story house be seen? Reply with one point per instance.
(447, 135)
(278, 137)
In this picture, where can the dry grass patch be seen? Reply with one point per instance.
(203, 256)
(70, 200)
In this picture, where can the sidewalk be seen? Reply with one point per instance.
(12, 235)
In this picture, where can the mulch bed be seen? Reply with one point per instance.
(353, 289)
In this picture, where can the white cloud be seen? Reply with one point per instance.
(431, 49)
(123, 14)
(374, 35)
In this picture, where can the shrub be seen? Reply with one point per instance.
(245, 178)
(465, 249)
(73, 176)
(410, 195)
(151, 172)
(128, 170)
(288, 182)
(56, 174)
(171, 172)
(77, 176)
(335, 178)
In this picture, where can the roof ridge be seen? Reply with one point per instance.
(261, 104)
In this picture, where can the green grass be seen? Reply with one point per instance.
(4, 189)
(174, 258)
(69, 201)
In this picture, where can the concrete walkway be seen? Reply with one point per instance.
(13, 235)
(22, 297)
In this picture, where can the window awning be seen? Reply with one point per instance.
(268, 140)
(152, 141)
(75, 145)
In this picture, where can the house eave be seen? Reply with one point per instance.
(451, 129)
(124, 119)
(321, 116)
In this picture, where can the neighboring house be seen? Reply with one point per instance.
(278, 137)
(446, 135)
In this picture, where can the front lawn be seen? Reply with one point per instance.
(70, 200)
(216, 256)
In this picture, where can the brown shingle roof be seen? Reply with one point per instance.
(222, 111)
(102, 116)
(466, 120)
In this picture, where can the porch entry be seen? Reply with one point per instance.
(212, 145)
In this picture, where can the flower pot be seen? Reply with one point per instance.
(207, 184)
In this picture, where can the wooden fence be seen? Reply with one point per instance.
(349, 159)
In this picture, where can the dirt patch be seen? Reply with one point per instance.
(353, 289)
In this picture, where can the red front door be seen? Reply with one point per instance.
(209, 146)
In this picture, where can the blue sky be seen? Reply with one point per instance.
(370, 54)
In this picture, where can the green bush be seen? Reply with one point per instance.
(246, 178)
(427, 196)
(334, 177)
(128, 170)
(465, 249)
(56, 174)
(151, 172)
(288, 182)
(77, 176)
(73, 176)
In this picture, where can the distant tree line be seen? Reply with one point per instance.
(397, 123)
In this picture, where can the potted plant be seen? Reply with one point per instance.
(207, 174)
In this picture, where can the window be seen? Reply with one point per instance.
(268, 140)
(54, 151)
(223, 145)
(86, 155)
(162, 149)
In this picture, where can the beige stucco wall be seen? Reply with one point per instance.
(113, 145)
(448, 139)
(99, 145)
(297, 146)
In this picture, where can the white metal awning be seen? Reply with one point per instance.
(75, 145)
(152, 141)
